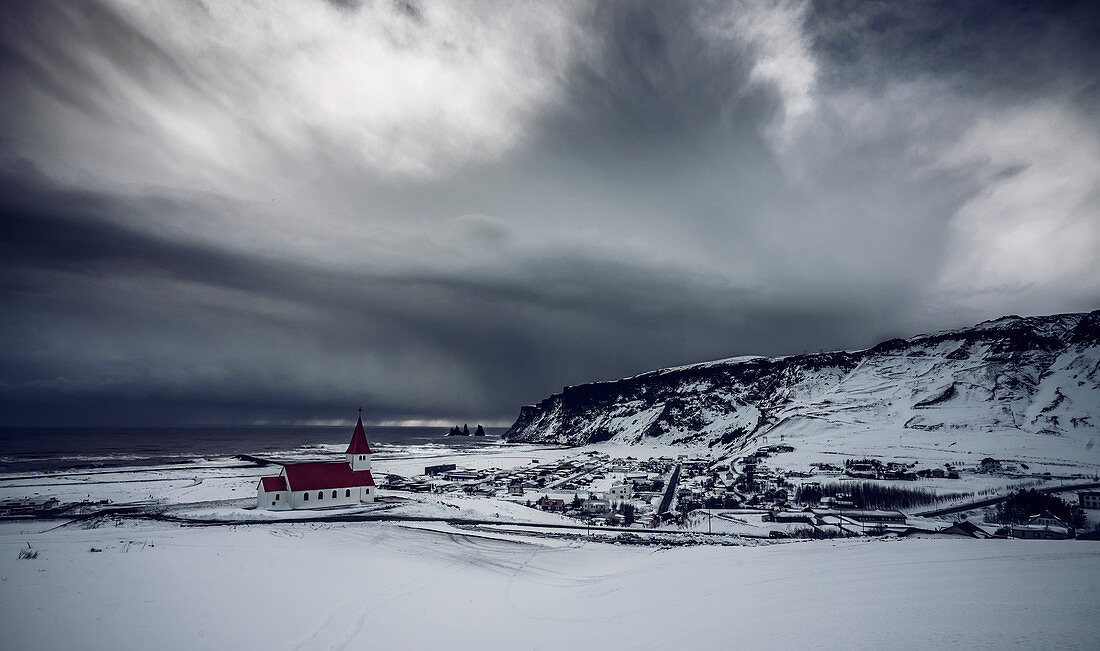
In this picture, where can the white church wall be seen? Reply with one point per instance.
(358, 461)
(319, 499)
(273, 500)
(281, 500)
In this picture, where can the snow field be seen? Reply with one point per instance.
(321, 586)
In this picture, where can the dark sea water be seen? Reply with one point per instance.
(29, 449)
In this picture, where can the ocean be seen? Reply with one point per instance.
(40, 449)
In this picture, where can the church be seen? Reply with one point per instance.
(321, 484)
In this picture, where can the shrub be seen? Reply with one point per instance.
(815, 533)
(1021, 505)
(873, 495)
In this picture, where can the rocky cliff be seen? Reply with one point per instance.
(1038, 376)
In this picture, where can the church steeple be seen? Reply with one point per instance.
(358, 452)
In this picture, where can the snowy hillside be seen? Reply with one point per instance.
(1029, 386)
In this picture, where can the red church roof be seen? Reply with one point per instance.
(322, 475)
(358, 443)
(272, 484)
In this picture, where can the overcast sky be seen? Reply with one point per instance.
(251, 212)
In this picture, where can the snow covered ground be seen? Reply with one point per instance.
(229, 478)
(379, 585)
(414, 584)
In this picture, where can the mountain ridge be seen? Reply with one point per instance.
(1034, 375)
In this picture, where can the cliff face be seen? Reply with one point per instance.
(1035, 375)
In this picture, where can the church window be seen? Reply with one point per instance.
(333, 494)
(320, 495)
(276, 497)
(305, 497)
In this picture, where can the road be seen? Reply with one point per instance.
(977, 504)
(670, 491)
(143, 513)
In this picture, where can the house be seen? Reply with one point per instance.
(1046, 519)
(1045, 526)
(515, 489)
(596, 506)
(547, 503)
(1089, 499)
(321, 484)
(1038, 531)
(614, 488)
(28, 506)
(619, 491)
(431, 471)
(463, 474)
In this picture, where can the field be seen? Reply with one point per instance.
(411, 583)
(321, 586)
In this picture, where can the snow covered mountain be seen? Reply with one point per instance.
(1014, 383)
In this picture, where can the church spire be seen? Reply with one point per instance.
(358, 443)
(358, 452)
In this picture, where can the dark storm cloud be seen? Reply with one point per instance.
(986, 46)
(205, 220)
(67, 271)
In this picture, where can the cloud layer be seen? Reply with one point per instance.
(278, 211)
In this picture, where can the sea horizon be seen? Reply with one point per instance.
(45, 448)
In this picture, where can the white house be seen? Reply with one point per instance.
(322, 484)
(1089, 499)
(1046, 519)
(620, 491)
(1046, 526)
(613, 488)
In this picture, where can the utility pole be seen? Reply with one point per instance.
(588, 515)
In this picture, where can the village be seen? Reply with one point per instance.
(766, 492)
(748, 496)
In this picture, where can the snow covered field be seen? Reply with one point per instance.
(228, 478)
(415, 584)
(379, 585)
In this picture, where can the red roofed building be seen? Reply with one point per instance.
(321, 484)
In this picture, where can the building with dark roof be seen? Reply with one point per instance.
(321, 484)
(1046, 525)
